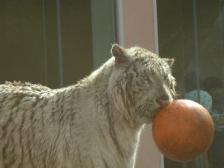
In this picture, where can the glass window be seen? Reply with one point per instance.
(193, 33)
(51, 42)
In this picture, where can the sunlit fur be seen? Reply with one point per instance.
(95, 123)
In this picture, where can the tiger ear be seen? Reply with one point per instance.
(170, 61)
(119, 54)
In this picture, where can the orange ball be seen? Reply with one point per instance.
(182, 130)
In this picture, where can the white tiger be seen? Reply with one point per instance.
(95, 123)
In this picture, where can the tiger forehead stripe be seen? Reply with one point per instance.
(141, 52)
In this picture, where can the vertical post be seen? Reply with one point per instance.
(59, 43)
(103, 29)
(200, 162)
(155, 24)
(44, 41)
(156, 46)
(140, 28)
(120, 22)
(196, 49)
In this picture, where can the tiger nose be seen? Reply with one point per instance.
(163, 100)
